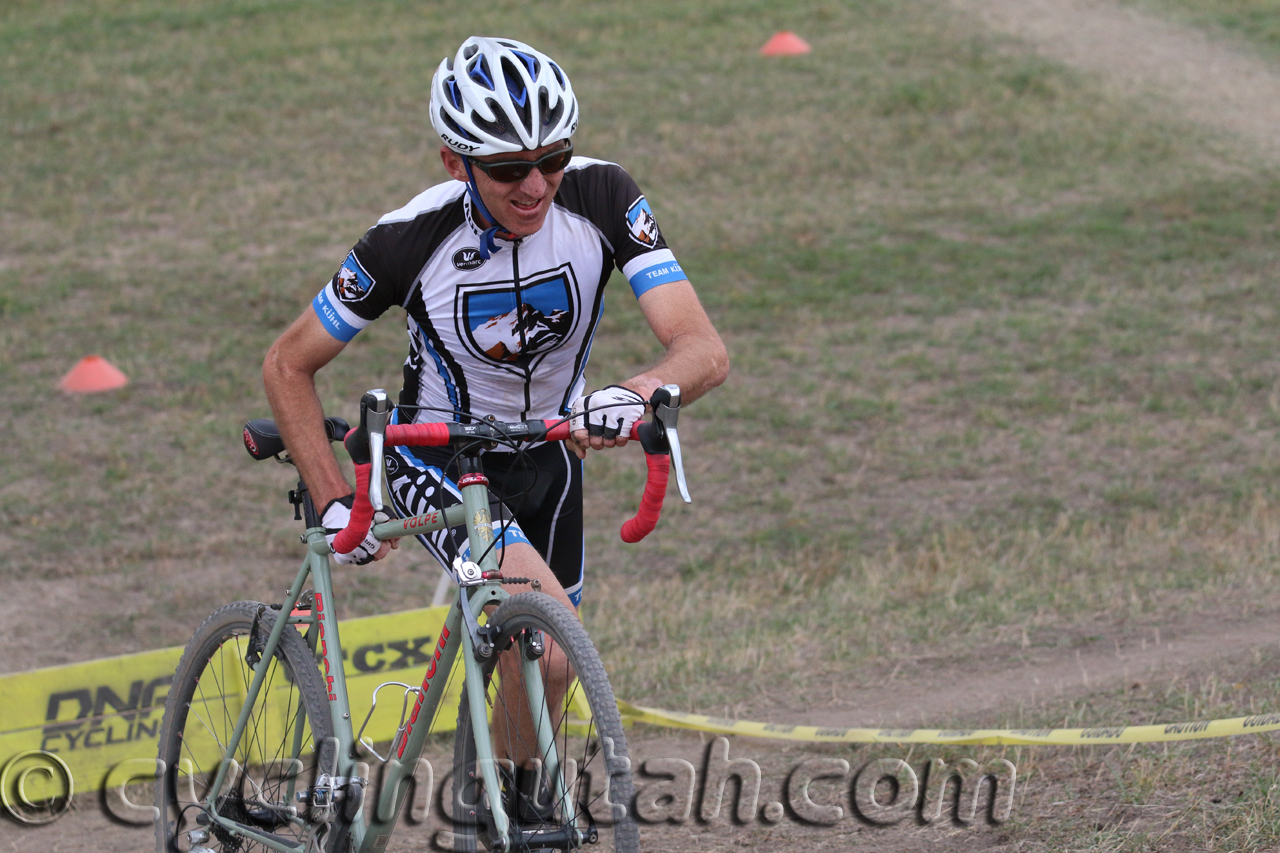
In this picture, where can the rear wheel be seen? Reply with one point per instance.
(288, 735)
(590, 746)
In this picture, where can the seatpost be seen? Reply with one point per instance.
(301, 497)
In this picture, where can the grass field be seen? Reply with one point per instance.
(1257, 21)
(1003, 339)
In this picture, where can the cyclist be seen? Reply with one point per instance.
(501, 272)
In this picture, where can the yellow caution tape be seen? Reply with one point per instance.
(1057, 737)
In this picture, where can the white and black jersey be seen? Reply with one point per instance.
(509, 336)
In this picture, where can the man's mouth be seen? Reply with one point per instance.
(527, 206)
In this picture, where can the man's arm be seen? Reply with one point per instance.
(695, 358)
(289, 376)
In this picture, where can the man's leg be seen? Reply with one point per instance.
(556, 526)
(517, 740)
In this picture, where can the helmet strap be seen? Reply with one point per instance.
(488, 245)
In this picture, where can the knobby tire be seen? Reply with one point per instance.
(200, 713)
(598, 748)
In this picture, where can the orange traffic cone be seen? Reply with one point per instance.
(785, 43)
(93, 373)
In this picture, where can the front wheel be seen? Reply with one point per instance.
(288, 734)
(588, 762)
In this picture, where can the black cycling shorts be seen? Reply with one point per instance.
(534, 497)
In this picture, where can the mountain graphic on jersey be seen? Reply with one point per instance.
(500, 337)
(515, 329)
(641, 225)
(353, 282)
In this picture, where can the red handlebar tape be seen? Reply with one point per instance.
(655, 489)
(417, 435)
(361, 515)
(437, 435)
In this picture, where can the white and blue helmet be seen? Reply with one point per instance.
(498, 95)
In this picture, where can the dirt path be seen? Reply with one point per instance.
(927, 691)
(1212, 82)
(933, 692)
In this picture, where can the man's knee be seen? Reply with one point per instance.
(520, 560)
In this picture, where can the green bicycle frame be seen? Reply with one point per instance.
(454, 636)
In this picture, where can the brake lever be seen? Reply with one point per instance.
(375, 412)
(666, 411)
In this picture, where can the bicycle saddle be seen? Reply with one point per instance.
(262, 438)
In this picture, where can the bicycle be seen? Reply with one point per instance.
(252, 701)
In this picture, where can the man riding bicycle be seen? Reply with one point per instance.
(501, 272)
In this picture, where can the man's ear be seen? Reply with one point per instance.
(453, 164)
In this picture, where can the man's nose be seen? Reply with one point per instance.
(535, 183)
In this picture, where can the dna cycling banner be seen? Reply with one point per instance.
(99, 714)
(96, 715)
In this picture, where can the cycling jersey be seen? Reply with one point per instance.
(508, 336)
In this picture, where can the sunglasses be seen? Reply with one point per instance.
(513, 171)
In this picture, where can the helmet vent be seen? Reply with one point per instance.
(497, 128)
(455, 127)
(515, 85)
(478, 70)
(455, 97)
(530, 62)
(550, 116)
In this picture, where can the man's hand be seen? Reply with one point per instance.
(604, 418)
(336, 515)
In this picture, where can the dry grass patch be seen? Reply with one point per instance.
(748, 628)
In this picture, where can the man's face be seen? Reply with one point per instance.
(520, 207)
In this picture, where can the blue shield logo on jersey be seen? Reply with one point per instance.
(353, 282)
(641, 225)
(516, 329)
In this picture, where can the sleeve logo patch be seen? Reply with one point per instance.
(467, 259)
(641, 225)
(352, 283)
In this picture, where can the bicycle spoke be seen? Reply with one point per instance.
(566, 762)
(258, 770)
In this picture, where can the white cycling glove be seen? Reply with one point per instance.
(609, 412)
(337, 513)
